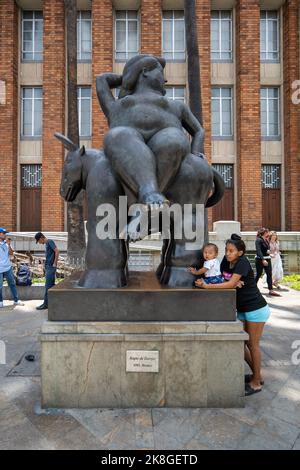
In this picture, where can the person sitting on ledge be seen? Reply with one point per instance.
(252, 308)
(211, 267)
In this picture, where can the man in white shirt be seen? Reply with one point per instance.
(6, 270)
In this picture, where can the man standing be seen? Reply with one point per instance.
(6, 270)
(52, 254)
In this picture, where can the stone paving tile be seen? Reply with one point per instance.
(17, 432)
(263, 441)
(108, 426)
(281, 430)
(220, 431)
(296, 446)
(144, 434)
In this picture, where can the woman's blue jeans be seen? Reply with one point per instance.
(9, 276)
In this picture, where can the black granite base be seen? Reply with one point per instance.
(144, 299)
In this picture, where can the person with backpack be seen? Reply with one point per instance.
(6, 271)
(52, 254)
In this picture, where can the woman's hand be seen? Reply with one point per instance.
(240, 284)
(201, 283)
(265, 262)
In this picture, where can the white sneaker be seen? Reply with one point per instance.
(19, 303)
(1, 305)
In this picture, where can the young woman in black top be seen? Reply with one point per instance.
(263, 259)
(252, 309)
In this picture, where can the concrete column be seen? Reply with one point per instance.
(9, 50)
(102, 61)
(291, 114)
(249, 192)
(53, 113)
(151, 27)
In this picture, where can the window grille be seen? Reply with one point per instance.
(271, 176)
(31, 176)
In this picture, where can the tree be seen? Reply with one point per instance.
(193, 61)
(75, 222)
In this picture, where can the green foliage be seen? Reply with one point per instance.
(293, 281)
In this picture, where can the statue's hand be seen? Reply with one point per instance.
(113, 80)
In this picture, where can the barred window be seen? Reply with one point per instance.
(270, 109)
(227, 173)
(271, 176)
(221, 104)
(32, 112)
(173, 33)
(269, 36)
(84, 111)
(221, 35)
(84, 36)
(31, 176)
(176, 93)
(126, 34)
(32, 36)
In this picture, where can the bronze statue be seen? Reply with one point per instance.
(147, 156)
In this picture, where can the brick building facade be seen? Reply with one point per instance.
(249, 53)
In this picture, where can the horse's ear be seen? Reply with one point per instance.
(68, 144)
(82, 151)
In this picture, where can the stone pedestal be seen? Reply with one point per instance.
(176, 364)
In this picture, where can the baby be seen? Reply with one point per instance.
(211, 266)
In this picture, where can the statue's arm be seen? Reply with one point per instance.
(104, 84)
(194, 128)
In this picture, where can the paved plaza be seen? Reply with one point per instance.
(270, 420)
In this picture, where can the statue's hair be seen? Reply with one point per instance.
(134, 67)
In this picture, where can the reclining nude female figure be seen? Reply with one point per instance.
(146, 142)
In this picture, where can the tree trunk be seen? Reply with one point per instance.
(193, 60)
(75, 222)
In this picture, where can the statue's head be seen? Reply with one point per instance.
(71, 179)
(146, 68)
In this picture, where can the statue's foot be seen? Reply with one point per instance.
(154, 200)
(103, 279)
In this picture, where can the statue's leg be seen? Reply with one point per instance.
(191, 187)
(134, 163)
(106, 259)
(169, 146)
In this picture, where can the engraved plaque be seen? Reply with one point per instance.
(142, 361)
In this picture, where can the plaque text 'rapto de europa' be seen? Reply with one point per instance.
(142, 361)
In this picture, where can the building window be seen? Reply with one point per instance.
(173, 33)
(221, 35)
(176, 93)
(31, 176)
(32, 112)
(221, 104)
(126, 34)
(32, 36)
(84, 111)
(270, 121)
(271, 176)
(84, 36)
(269, 36)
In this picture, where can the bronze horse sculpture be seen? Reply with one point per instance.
(147, 157)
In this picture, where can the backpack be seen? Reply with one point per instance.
(24, 276)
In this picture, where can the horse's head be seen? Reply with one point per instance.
(71, 179)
